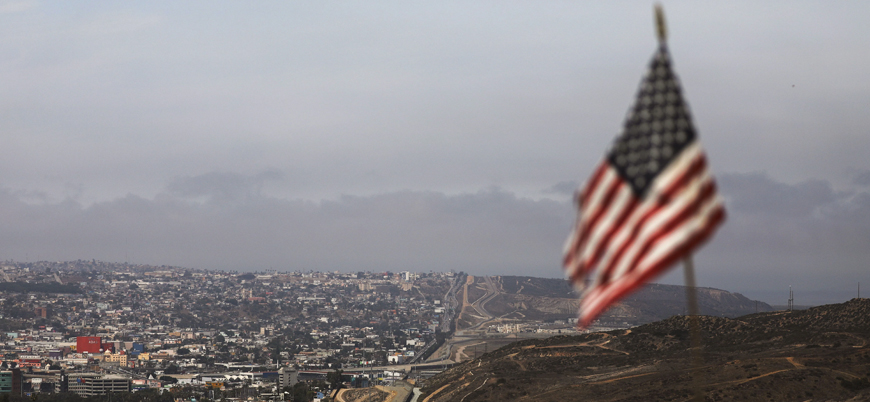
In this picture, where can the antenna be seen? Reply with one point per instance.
(790, 299)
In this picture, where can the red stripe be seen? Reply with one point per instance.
(631, 283)
(589, 188)
(604, 245)
(591, 222)
(583, 200)
(626, 286)
(706, 193)
(696, 168)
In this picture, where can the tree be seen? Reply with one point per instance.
(301, 392)
(334, 379)
(172, 369)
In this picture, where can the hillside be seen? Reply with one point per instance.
(527, 299)
(816, 354)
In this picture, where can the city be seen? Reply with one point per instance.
(93, 328)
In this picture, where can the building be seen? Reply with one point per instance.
(41, 312)
(89, 384)
(10, 382)
(119, 358)
(89, 344)
(287, 378)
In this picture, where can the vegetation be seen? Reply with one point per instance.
(822, 353)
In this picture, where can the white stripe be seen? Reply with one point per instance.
(652, 225)
(572, 263)
(685, 232)
(675, 169)
(619, 238)
(620, 201)
(592, 301)
(596, 296)
(681, 234)
(586, 212)
(663, 181)
(595, 200)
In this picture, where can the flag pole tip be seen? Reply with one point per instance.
(661, 28)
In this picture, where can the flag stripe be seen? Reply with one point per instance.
(673, 223)
(644, 214)
(583, 199)
(612, 185)
(596, 304)
(597, 177)
(644, 238)
(623, 212)
(688, 233)
(651, 201)
(599, 198)
(706, 207)
(661, 216)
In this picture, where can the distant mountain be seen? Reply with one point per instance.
(818, 354)
(554, 299)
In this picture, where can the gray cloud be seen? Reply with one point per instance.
(568, 187)
(409, 113)
(862, 178)
(223, 186)
(777, 234)
(489, 231)
(758, 195)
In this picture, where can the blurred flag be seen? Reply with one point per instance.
(650, 202)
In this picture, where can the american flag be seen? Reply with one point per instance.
(649, 203)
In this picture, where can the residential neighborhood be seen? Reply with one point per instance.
(92, 328)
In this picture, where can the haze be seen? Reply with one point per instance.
(436, 136)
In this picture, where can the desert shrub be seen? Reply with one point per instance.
(856, 384)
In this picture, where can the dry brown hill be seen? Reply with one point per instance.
(526, 298)
(819, 354)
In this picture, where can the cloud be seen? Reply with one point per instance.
(11, 7)
(862, 178)
(232, 226)
(758, 194)
(567, 187)
(777, 234)
(222, 186)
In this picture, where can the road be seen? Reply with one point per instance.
(479, 305)
(450, 304)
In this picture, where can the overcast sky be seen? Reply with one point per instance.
(422, 136)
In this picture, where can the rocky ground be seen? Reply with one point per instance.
(819, 354)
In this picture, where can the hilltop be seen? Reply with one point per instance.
(816, 354)
(506, 299)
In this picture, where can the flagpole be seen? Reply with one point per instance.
(688, 264)
(694, 326)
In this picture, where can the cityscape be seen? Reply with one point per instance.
(434, 201)
(94, 328)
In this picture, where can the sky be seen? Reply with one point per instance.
(422, 136)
